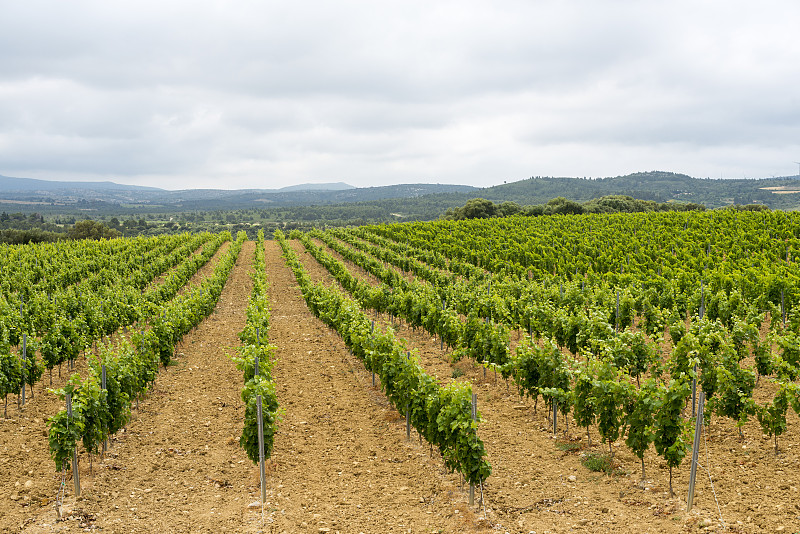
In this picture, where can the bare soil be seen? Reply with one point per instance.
(28, 482)
(341, 461)
(535, 479)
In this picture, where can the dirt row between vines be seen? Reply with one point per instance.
(28, 482)
(535, 486)
(340, 463)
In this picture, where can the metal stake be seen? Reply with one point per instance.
(408, 410)
(694, 392)
(698, 430)
(24, 363)
(783, 309)
(261, 451)
(474, 417)
(702, 300)
(103, 385)
(76, 478)
(555, 417)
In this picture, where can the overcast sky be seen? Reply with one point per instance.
(237, 94)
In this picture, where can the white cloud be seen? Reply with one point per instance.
(259, 94)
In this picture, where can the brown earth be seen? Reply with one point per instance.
(341, 460)
(27, 476)
(30, 484)
(533, 478)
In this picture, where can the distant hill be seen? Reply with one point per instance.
(259, 198)
(8, 183)
(107, 197)
(344, 204)
(338, 186)
(660, 186)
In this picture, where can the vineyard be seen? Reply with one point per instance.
(518, 374)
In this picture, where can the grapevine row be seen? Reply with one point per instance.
(419, 303)
(255, 361)
(604, 392)
(30, 311)
(97, 413)
(735, 322)
(442, 415)
(48, 267)
(75, 320)
(746, 257)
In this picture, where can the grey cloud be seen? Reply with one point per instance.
(471, 92)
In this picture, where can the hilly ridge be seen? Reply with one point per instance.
(110, 195)
(339, 203)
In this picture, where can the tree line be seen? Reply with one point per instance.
(480, 208)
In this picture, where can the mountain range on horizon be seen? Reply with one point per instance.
(407, 201)
(14, 184)
(38, 194)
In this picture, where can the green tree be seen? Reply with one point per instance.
(90, 229)
(476, 208)
(508, 208)
(562, 206)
